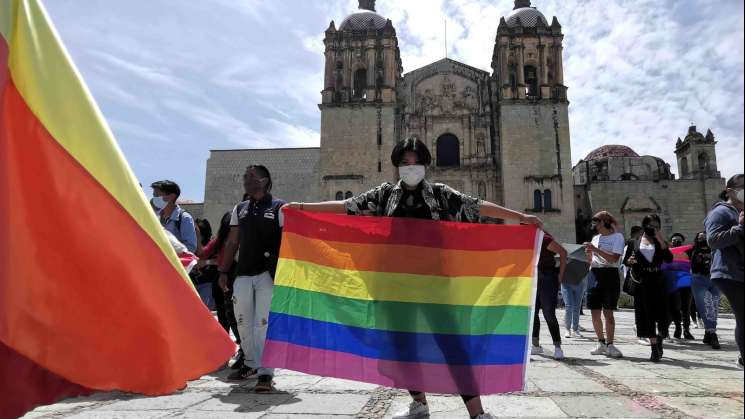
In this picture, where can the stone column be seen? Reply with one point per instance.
(520, 72)
(559, 65)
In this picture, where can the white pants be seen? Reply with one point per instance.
(252, 299)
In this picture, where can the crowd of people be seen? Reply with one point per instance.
(240, 290)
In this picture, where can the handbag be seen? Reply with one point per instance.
(631, 283)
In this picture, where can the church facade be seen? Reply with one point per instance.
(501, 135)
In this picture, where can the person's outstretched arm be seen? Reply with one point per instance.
(335, 207)
(493, 210)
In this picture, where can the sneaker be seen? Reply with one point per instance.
(643, 342)
(687, 335)
(243, 374)
(714, 341)
(569, 334)
(558, 353)
(239, 361)
(602, 349)
(578, 334)
(613, 352)
(536, 350)
(415, 410)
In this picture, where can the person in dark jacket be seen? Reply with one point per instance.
(726, 235)
(707, 295)
(645, 258)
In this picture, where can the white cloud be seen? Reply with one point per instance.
(226, 73)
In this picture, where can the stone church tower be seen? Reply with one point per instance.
(532, 118)
(363, 68)
(696, 155)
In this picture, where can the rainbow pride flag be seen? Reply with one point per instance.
(413, 304)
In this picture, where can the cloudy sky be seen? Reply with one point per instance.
(176, 79)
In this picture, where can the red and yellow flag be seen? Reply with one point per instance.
(92, 296)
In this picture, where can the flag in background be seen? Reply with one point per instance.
(414, 304)
(92, 296)
(678, 272)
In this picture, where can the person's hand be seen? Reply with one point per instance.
(631, 260)
(658, 235)
(201, 263)
(742, 217)
(223, 282)
(293, 205)
(531, 220)
(589, 247)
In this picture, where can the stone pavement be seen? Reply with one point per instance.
(691, 382)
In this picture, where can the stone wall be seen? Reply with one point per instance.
(294, 175)
(682, 204)
(536, 155)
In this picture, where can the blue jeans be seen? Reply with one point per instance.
(205, 293)
(572, 295)
(707, 296)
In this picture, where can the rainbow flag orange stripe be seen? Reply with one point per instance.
(421, 305)
(92, 296)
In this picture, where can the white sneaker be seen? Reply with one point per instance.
(700, 324)
(485, 416)
(602, 349)
(569, 334)
(613, 352)
(558, 353)
(578, 334)
(536, 350)
(416, 409)
(644, 342)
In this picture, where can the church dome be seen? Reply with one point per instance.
(611, 151)
(525, 16)
(365, 19)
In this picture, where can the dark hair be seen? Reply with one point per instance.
(168, 187)
(265, 173)
(636, 229)
(695, 240)
(682, 237)
(423, 155)
(607, 219)
(651, 217)
(205, 230)
(224, 230)
(731, 183)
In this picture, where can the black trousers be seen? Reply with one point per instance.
(680, 308)
(733, 290)
(650, 305)
(546, 300)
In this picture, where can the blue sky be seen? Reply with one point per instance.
(176, 79)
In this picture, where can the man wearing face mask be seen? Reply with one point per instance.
(172, 217)
(412, 196)
(255, 229)
(725, 233)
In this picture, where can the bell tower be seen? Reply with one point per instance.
(362, 70)
(532, 114)
(697, 158)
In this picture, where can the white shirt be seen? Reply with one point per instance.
(612, 243)
(647, 249)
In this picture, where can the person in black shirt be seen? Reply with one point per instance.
(707, 295)
(645, 257)
(413, 197)
(255, 229)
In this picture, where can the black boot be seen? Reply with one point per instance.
(707, 338)
(656, 356)
(714, 341)
(687, 335)
(660, 347)
(678, 332)
(238, 364)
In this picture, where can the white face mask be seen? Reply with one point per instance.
(741, 195)
(412, 175)
(159, 203)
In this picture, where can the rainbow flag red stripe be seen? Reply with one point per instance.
(92, 295)
(421, 305)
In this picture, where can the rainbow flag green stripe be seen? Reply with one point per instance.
(402, 317)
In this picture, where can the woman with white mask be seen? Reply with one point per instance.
(414, 197)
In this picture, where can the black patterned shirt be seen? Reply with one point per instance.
(444, 202)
